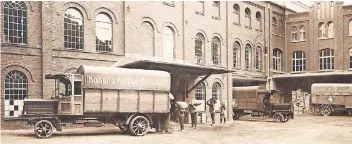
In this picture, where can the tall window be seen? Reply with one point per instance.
(199, 48)
(147, 38)
(322, 30)
(73, 35)
(200, 96)
(168, 43)
(216, 93)
(15, 92)
(200, 6)
(326, 59)
(248, 17)
(215, 48)
(216, 5)
(330, 30)
(258, 58)
(281, 27)
(277, 59)
(294, 33)
(298, 61)
(15, 22)
(236, 10)
(350, 27)
(247, 56)
(103, 32)
(302, 33)
(236, 54)
(350, 53)
(274, 25)
(258, 16)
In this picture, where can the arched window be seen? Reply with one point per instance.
(247, 56)
(73, 26)
(15, 22)
(298, 61)
(248, 17)
(322, 30)
(350, 27)
(236, 10)
(274, 25)
(103, 31)
(294, 33)
(281, 28)
(215, 50)
(277, 59)
(258, 16)
(200, 96)
(199, 48)
(302, 32)
(236, 54)
(326, 59)
(168, 43)
(258, 58)
(16, 87)
(350, 53)
(216, 93)
(330, 30)
(147, 37)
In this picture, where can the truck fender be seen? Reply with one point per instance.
(54, 120)
(136, 114)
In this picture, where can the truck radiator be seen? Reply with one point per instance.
(40, 107)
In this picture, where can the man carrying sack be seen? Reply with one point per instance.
(211, 103)
(193, 110)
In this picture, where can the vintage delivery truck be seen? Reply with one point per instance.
(135, 100)
(256, 101)
(329, 97)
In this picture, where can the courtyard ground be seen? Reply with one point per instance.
(247, 130)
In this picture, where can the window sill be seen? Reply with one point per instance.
(248, 27)
(169, 4)
(297, 41)
(350, 69)
(14, 44)
(258, 30)
(298, 72)
(279, 35)
(215, 17)
(103, 52)
(74, 50)
(235, 23)
(199, 13)
(328, 70)
(350, 35)
(325, 38)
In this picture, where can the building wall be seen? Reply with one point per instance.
(45, 52)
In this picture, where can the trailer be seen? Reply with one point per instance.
(256, 101)
(134, 100)
(330, 97)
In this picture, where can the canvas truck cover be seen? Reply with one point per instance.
(331, 93)
(247, 97)
(97, 77)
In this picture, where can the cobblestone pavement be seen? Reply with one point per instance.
(247, 130)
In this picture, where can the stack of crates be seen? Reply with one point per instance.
(301, 101)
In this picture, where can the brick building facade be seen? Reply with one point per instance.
(46, 37)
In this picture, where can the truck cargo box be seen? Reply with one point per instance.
(332, 93)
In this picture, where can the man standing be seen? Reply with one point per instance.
(211, 103)
(193, 110)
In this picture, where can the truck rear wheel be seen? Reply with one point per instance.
(139, 126)
(278, 117)
(326, 110)
(43, 129)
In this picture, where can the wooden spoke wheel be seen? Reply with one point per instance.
(139, 126)
(326, 111)
(278, 117)
(43, 129)
(236, 116)
(285, 119)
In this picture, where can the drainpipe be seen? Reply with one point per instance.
(229, 88)
(268, 49)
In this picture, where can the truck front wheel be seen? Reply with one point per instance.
(43, 129)
(326, 110)
(139, 125)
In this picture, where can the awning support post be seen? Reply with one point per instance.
(199, 82)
